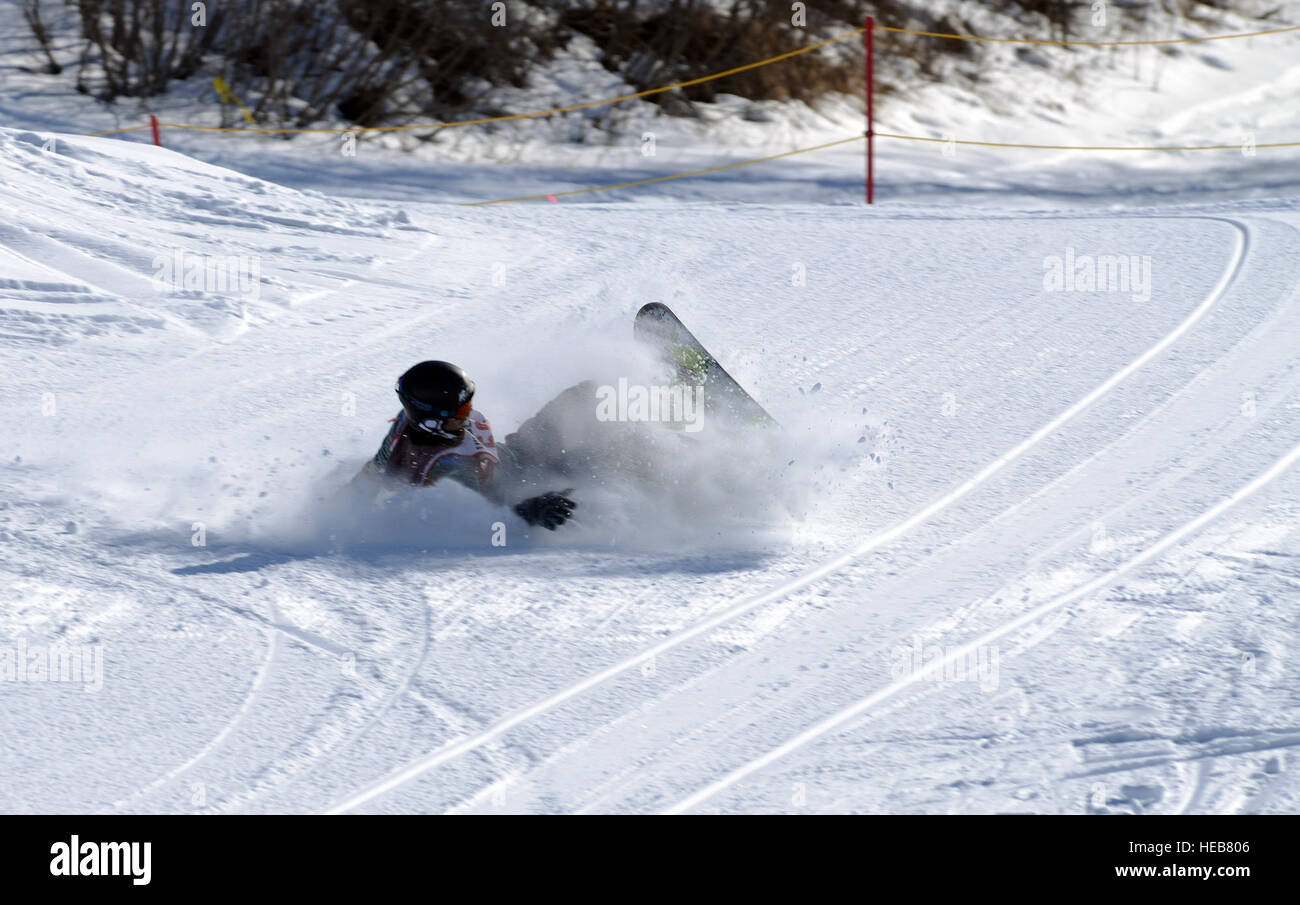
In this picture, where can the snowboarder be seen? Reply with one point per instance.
(439, 434)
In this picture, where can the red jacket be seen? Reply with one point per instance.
(420, 459)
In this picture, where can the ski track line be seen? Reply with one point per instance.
(259, 679)
(292, 771)
(594, 801)
(274, 627)
(1148, 491)
(857, 709)
(216, 741)
(455, 749)
(318, 362)
(13, 237)
(1029, 566)
(1274, 740)
(210, 342)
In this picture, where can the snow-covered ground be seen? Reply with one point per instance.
(1079, 508)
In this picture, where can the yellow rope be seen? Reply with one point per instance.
(935, 34)
(842, 141)
(1005, 144)
(117, 131)
(623, 185)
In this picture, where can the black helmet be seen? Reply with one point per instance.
(434, 391)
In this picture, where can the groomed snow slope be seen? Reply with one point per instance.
(1038, 474)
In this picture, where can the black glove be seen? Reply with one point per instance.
(549, 510)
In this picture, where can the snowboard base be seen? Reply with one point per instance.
(693, 365)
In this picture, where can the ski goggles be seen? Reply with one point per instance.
(460, 413)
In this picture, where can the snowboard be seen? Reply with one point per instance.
(693, 365)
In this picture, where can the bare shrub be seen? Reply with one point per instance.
(135, 48)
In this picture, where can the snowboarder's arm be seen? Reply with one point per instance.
(550, 509)
(377, 466)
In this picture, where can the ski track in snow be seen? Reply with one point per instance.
(214, 409)
(861, 708)
(211, 746)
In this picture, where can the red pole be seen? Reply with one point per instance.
(871, 112)
(153, 121)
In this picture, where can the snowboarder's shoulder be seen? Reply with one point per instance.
(479, 424)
